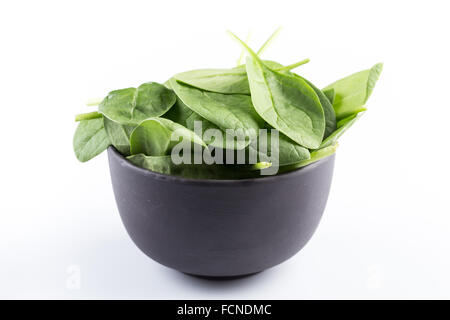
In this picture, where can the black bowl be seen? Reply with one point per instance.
(220, 228)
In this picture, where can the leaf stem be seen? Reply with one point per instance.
(244, 45)
(261, 165)
(88, 116)
(93, 102)
(241, 57)
(268, 41)
(293, 66)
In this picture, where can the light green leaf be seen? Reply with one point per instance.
(316, 155)
(352, 92)
(344, 125)
(374, 75)
(217, 80)
(90, 139)
(153, 137)
(345, 120)
(133, 105)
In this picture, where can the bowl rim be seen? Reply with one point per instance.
(124, 162)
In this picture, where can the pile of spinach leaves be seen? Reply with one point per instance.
(260, 94)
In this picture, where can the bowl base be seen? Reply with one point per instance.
(222, 278)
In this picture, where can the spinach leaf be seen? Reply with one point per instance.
(153, 137)
(289, 152)
(227, 81)
(330, 94)
(119, 135)
(352, 92)
(225, 111)
(133, 105)
(90, 139)
(217, 80)
(181, 114)
(286, 102)
(165, 165)
(316, 155)
(236, 103)
(345, 120)
(344, 124)
(330, 116)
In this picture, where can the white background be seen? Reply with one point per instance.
(386, 229)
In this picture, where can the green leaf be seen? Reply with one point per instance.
(289, 152)
(352, 92)
(181, 114)
(119, 135)
(226, 111)
(133, 105)
(374, 75)
(90, 139)
(227, 81)
(217, 80)
(165, 165)
(316, 155)
(330, 94)
(330, 116)
(286, 102)
(344, 125)
(342, 122)
(153, 137)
